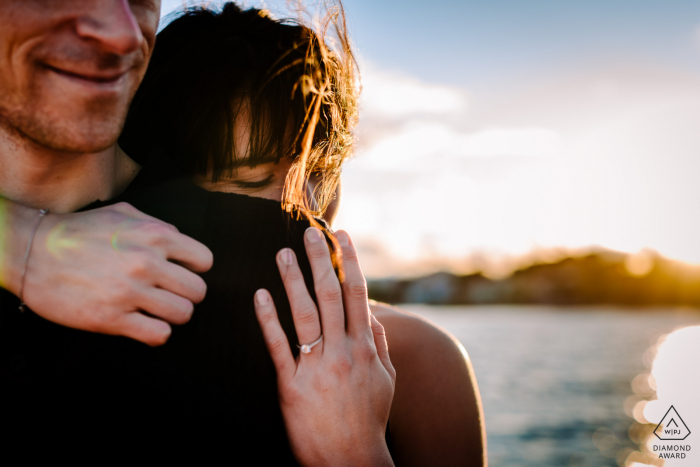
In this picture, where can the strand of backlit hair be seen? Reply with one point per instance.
(316, 82)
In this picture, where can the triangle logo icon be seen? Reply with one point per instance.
(672, 426)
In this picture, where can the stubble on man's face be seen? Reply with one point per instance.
(69, 69)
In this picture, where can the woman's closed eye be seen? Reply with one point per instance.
(253, 184)
(244, 181)
(264, 180)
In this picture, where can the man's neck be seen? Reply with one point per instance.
(62, 182)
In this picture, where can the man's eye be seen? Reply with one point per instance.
(252, 185)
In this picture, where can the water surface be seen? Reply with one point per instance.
(550, 377)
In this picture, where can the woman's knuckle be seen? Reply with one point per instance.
(343, 364)
(265, 315)
(307, 315)
(317, 253)
(275, 344)
(357, 289)
(329, 294)
(293, 275)
(366, 350)
(349, 254)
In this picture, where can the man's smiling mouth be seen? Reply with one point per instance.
(109, 78)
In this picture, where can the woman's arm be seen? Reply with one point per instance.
(93, 270)
(436, 417)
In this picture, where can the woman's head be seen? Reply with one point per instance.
(235, 95)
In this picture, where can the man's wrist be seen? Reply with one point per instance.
(15, 227)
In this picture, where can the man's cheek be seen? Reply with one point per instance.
(148, 20)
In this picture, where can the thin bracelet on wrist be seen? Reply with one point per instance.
(42, 213)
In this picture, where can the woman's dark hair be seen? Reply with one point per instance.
(212, 68)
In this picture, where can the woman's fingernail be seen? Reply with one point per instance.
(261, 297)
(342, 238)
(313, 235)
(286, 256)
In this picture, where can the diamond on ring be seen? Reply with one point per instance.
(306, 348)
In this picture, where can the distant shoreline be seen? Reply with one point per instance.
(601, 278)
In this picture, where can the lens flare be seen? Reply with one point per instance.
(57, 242)
(673, 381)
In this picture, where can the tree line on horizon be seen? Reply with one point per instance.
(601, 277)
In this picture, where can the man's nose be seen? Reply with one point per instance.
(113, 25)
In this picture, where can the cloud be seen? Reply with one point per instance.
(394, 95)
(406, 125)
(418, 143)
(624, 175)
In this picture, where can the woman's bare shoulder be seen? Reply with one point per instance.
(410, 329)
(437, 409)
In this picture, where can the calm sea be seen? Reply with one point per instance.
(550, 378)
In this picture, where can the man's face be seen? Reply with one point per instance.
(69, 68)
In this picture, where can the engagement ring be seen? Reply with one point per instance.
(306, 348)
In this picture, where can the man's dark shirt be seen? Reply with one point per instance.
(212, 387)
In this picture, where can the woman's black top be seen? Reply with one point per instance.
(211, 387)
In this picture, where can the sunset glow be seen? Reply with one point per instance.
(513, 145)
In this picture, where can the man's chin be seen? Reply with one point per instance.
(78, 143)
(89, 135)
(86, 145)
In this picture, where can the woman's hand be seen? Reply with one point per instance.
(336, 398)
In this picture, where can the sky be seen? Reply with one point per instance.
(490, 130)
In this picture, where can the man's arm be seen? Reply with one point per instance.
(97, 270)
